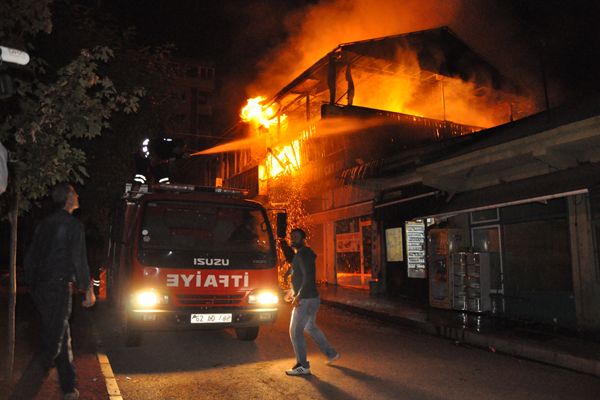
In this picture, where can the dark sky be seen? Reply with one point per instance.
(234, 34)
(517, 36)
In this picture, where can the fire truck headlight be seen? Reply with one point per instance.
(263, 298)
(147, 299)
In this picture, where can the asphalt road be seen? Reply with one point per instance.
(378, 361)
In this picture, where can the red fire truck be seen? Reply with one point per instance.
(192, 257)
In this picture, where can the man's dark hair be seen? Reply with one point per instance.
(300, 231)
(59, 194)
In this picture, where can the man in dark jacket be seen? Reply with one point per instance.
(306, 303)
(55, 262)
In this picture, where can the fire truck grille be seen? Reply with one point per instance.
(210, 299)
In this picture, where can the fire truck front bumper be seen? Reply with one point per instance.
(206, 318)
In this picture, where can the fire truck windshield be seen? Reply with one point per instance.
(204, 235)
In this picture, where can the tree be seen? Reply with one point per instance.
(51, 112)
(110, 156)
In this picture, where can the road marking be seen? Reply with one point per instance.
(112, 388)
(109, 377)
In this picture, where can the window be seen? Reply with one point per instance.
(484, 216)
(182, 231)
(192, 72)
(206, 73)
(487, 239)
(354, 251)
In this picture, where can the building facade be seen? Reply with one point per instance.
(372, 151)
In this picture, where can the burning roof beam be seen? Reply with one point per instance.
(438, 51)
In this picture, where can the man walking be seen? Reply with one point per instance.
(306, 303)
(55, 261)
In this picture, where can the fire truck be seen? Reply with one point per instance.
(184, 256)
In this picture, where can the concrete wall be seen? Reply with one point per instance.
(586, 272)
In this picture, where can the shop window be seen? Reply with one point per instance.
(354, 252)
(487, 239)
(482, 216)
(536, 210)
(537, 256)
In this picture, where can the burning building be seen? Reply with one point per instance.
(357, 105)
(383, 141)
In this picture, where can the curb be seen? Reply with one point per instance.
(494, 343)
(112, 388)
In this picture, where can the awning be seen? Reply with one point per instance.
(559, 184)
(560, 148)
(336, 214)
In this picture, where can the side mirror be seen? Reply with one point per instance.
(281, 225)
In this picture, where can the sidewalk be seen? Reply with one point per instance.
(481, 331)
(91, 380)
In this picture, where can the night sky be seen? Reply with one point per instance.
(246, 39)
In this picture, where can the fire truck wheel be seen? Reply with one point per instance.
(131, 333)
(249, 333)
(133, 337)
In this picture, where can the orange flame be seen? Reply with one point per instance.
(257, 113)
(284, 160)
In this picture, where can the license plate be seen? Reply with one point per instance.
(210, 318)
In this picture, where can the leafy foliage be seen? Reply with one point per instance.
(53, 112)
(21, 19)
(77, 104)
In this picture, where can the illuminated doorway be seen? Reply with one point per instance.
(354, 252)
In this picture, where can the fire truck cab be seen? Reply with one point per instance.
(182, 256)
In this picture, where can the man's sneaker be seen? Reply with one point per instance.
(74, 395)
(298, 369)
(333, 358)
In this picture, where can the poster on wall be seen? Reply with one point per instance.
(415, 248)
(393, 244)
(347, 242)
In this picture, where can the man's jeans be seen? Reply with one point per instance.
(53, 301)
(304, 317)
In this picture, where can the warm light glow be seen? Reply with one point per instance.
(258, 114)
(414, 91)
(405, 88)
(263, 298)
(147, 299)
(262, 172)
(284, 160)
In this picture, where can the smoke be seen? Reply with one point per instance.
(487, 27)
